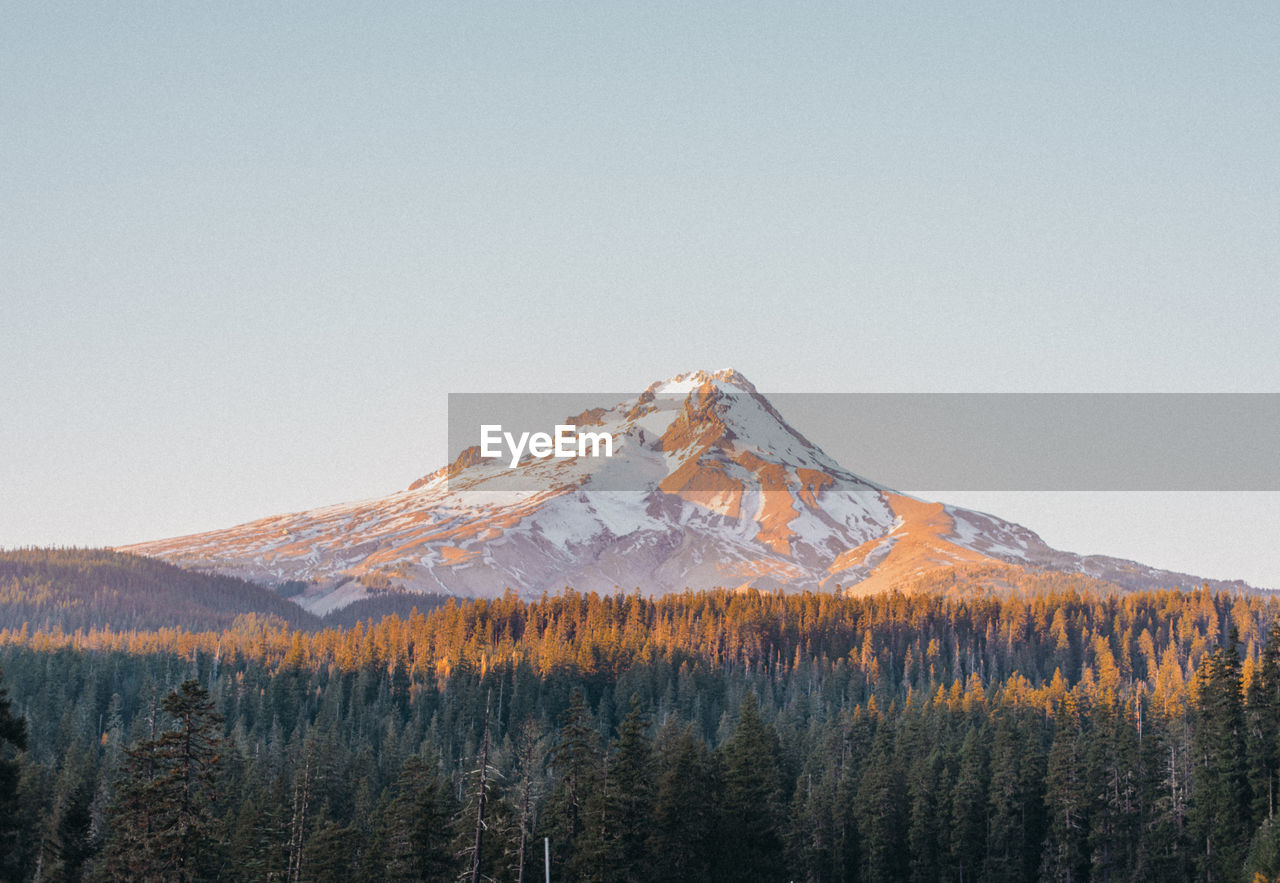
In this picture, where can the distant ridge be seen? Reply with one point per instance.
(93, 588)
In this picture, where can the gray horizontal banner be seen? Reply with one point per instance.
(705, 440)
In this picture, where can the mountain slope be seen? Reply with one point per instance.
(708, 486)
(90, 588)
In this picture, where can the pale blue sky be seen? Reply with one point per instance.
(247, 249)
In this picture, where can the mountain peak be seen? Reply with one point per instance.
(725, 378)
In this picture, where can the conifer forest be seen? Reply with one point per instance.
(1055, 731)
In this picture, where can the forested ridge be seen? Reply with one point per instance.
(83, 588)
(1055, 734)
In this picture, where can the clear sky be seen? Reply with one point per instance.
(247, 249)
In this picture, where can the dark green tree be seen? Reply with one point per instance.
(1262, 719)
(680, 839)
(1016, 801)
(1114, 767)
(415, 831)
(577, 772)
(882, 810)
(14, 825)
(69, 841)
(163, 826)
(334, 853)
(750, 845)
(969, 808)
(629, 802)
(1066, 799)
(927, 789)
(1220, 795)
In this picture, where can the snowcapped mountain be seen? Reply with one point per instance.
(708, 486)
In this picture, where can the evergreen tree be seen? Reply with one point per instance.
(1263, 728)
(1262, 862)
(1220, 797)
(69, 841)
(415, 829)
(1115, 823)
(1165, 761)
(163, 826)
(260, 832)
(486, 839)
(334, 853)
(1066, 848)
(1016, 801)
(882, 811)
(969, 809)
(925, 787)
(680, 839)
(750, 845)
(577, 772)
(13, 823)
(629, 806)
(526, 790)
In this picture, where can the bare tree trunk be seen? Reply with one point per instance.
(484, 772)
(301, 797)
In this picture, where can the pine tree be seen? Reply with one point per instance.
(526, 789)
(69, 841)
(629, 805)
(577, 772)
(969, 809)
(882, 811)
(924, 787)
(1165, 764)
(1263, 859)
(815, 842)
(1263, 728)
(486, 840)
(415, 826)
(680, 841)
(162, 825)
(1016, 801)
(749, 840)
(1066, 799)
(1220, 797)
(334, 853)
(13, 824)
(1115, 822)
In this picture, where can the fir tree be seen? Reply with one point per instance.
(882, 811)
(1263, 728)
(415, 829)
(69, 841)
(1016, 802)
(629, 805)
(1066, 799)
(750, 844)
(1220, 797)
(577, 772)
(680, 838)
(969, 809)
(13, 824)
(163, 826)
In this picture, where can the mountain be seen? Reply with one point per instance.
(708, 486)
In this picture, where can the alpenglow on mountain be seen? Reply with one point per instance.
(720, 492)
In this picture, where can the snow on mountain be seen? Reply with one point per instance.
(708, 486)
